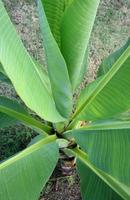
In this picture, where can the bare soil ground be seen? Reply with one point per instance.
(111, 30)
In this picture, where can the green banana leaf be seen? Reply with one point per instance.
(76, 27)
(108, 150)
(25, 75)
(24, 175)
(92, 187)
(54, 11)
(109, 95)
(121, 189)
(57, 69)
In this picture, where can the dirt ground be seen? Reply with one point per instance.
(111, 30)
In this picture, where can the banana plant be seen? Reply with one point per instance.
(96, 129)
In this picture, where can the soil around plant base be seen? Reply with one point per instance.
(62, 187)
